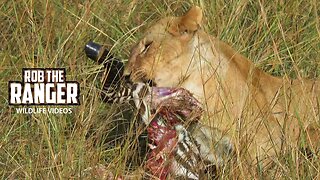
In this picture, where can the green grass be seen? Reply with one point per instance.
(281, 37)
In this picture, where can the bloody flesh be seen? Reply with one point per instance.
(172, 106)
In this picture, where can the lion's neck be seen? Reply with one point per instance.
(221, 75)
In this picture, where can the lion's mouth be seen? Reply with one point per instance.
(150, 82)
(143, 79)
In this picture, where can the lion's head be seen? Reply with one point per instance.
(164, 54)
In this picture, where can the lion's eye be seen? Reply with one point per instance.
(146, 47)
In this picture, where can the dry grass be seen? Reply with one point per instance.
(282, 37)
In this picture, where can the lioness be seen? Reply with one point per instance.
(261, 113)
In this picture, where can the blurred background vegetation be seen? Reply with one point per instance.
(282, 37)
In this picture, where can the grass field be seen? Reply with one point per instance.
(281, 37)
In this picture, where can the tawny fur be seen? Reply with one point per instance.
(261, 113)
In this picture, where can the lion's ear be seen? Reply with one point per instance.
(191, 21)
(186, 24)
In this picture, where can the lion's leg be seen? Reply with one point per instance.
(312, 133)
